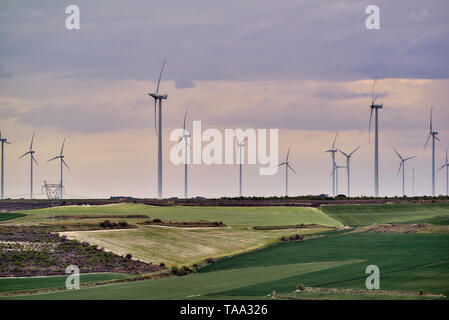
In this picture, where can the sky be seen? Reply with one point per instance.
(305, 68)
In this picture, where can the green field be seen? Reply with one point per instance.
(407, 262)
(9, 216)
(363, 215)
(231, 216)
(34, 283)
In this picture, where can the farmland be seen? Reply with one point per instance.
(249, 261)
(362, 215)
(408, 262)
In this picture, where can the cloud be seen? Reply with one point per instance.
(3, 73)
(184, 84)
(85, 118)
(231, 40)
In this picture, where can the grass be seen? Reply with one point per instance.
(34, 283)
(231, 216)
(189, 287)
(9, 216)
(407, 262)
(363, 215)
(175, 246)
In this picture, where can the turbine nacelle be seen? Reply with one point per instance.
(157, 96)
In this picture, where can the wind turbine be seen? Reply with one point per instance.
(402, 164)
(287, 166)
(240, 146)
(3, 141)
(447, 174)
(375, 107)
(348, 166)
(433, 135)
(159, 97)
(333, 151)
(32, 158)
(185, 136)
(61, 157)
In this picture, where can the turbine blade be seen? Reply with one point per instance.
(180, 139)
(53, 158)
(62, 148)
(444, 165)
(355, 150)
(32, 139)
(399, 170)
(281, 164)
(34, 159)
(63, 161)
(425, 145)
(335, 139)
(409, 158)
(431, 111)
(288, 153)
(291, 168)
(23, 155)
(185, 115)
(160, 75)
(398, 154)
(369, 127)
(437, 138)
(372, 92)
(343, 153)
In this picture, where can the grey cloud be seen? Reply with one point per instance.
(228, 40)
(86, 119)
(184, 84)
(333, 92)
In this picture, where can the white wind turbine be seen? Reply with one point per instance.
(433, 135)
(62, 161)
(402, 164)
(348, 167)
(333, 151)
(240, 146)
(375, 107)
(185, 137)
(159, 97)
(287, 166)
(447, 174)
(3, 141)
(31, 152)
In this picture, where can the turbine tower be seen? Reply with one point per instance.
(185, 136)
(287, 166)
(240, 146)
(31, 152)
(336, 180)
(447, 174)
(333, 151)
(433, 135)
(159, 97)
(402, 164)
(348, 167)
(376, 108)
(61, 157)
(3, 141)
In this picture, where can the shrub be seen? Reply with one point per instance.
(156, 220)
(300, 287)
(129, 256)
